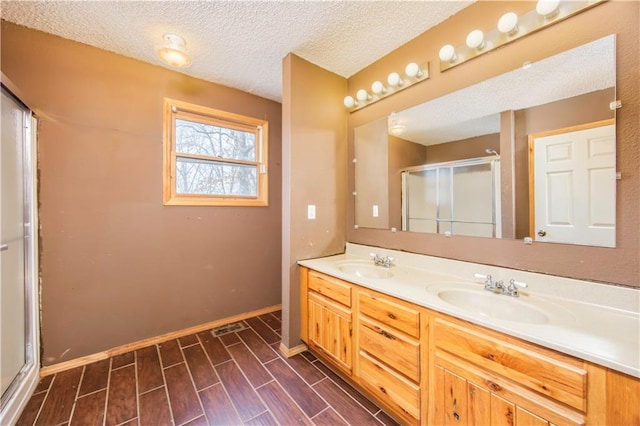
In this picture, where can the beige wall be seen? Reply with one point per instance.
(117, 265)
(314, 172)
(620, 265)
(402, 154)
(463, 149)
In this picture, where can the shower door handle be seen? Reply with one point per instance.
(4, 247)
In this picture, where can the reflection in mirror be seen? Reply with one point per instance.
(519, 110)
(453, 198)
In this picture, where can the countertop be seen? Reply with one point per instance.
(592, 321)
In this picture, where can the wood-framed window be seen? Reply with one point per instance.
(213, 157)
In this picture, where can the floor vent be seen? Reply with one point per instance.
(228, 328)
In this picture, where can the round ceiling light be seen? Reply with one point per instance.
(173, 51)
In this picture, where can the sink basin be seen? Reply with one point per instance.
(525, 309)
(494, 305)
(365, 270)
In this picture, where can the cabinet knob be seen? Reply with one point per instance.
(542, 233)
(392, 316)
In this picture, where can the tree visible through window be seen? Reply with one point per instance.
(213, 157)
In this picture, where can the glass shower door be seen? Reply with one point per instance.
(17, 286)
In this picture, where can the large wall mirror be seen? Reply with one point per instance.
(436, 167)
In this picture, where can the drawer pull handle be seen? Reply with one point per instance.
(392, 316)
(489, 356)
(383, 390)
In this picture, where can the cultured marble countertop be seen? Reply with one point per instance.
(593, 321)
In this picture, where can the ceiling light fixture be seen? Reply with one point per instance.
(396, 125)
(173, 51)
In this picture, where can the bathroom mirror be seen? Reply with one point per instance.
(562, 129)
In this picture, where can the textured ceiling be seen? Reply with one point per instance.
(241, 44)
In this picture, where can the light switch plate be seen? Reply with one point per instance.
(311, 211)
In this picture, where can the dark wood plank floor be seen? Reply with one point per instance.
(237, 378)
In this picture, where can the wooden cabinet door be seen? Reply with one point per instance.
(330, 330)
(458, 401)
(450, 398)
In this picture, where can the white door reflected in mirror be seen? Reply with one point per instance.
(574, 192)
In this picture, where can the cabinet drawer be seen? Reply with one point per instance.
(330, 287)
(555, 375)
(390, 313)
(401, 353)
(398, 393)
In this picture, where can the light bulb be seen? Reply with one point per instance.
(547, 8)
(173, 51)
(447, 53)
(413, 70)
(508, 23)
(349, 102)
(397, 129)
(378, 88)
(362, 95)
(475, 39)
(394, 80)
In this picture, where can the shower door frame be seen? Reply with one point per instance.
(16, 396)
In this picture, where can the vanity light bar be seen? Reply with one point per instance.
(511, 27)
(413, 73)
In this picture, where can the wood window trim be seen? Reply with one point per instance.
(173, 108)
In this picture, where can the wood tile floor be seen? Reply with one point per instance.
(237, 378)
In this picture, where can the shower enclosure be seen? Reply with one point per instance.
(453, 198)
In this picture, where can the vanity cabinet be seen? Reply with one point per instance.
(424, 367)
(482, 377)
(330, 319)
(389, 353)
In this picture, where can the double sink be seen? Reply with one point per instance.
(472, 299)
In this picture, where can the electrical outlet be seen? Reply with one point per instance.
(375, 211)
(311, 211)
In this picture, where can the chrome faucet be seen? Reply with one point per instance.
(499, 287)
(386, 261)
(490, 284)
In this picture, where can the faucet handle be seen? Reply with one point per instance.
(483, 277)
(512, 290)
(515, 283)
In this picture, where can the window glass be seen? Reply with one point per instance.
(213, 157)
